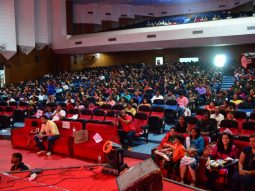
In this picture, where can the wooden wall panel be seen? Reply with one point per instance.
(28, 67)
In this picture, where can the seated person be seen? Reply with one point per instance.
(222, 150)
(181, 126)
(177, 153)
(235, 100)
(245, 175)
(49, 131)
(169, 96)
(127, 130)
(182, 103)
(69, 105)
(210, 107)
(230, 115)
(78, 105)
(194, 148)
(144, 102)
(48, 111)
(100, 101)
(58, 114)
(123, 102)
(208, 127)
(217, 116)
(18, 165)
(166, 143)
(130, 109)
(156, 96)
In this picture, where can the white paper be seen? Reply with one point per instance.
(97, 138)
(66, 125)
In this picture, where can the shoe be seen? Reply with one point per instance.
(40, 152)
(48, 153)
(192, 184)
(182, 182)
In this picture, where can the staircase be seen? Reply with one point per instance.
(227, 82)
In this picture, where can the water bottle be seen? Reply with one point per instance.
(74, 131)
(99, 159)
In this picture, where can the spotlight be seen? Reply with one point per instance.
(115, 155)
(220, 60)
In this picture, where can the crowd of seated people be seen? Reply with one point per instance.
(133, 86)
(202, 17)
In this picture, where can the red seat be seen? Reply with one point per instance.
(73, 112)
(8, 111)
(111, 116)
(91, 149)
(85, 114)
(232, 125)
(145, 109)
(64, 144)
(240, 117)
(98, 115)
(141, 125)
(248, 128)
(13, 104)
(20, 136)
(200, 113)
(158, 111)
(106, 107)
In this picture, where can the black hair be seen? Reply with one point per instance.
(17, 155)
(220, 145)
(252, 136)
(180, 138)
(197, 129)
(45, 117)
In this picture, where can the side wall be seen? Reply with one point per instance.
(28, 67)
(206, 54)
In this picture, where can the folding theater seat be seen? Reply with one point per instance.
(85, 114)
(8, 111)
(156, 124)
(3, 104)
(106, 107)
(171, 104)
(144, 109)
(141, 125)
(73, 112)
(252, 117)
(245, 107)
(23, 106)
(240, 143)
(90, 149)
(98, 115)
(21, 137)
(111, 116)
(241, 117)
(64, 144)
(248, 128)
(229, 124)
(200, 113)
(13, 104)
(170, 116)
(1, 111)
(158, 102)
(117, 108)
(158, 111)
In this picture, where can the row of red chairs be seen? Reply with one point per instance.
(22, 138)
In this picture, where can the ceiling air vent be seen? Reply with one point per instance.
(237, 3)
(163, 13)
(250, 28)
(222, 6)
(151, 14)
(123, 15)
(198, 32)
(90, 12)
(78, 42)
(108, 14)
(112, 39)
(151, 36)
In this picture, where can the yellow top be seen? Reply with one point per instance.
(50, 128)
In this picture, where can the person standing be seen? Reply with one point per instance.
(49, 131)
(51, 91)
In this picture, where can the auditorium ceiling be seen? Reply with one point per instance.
(139, 2)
